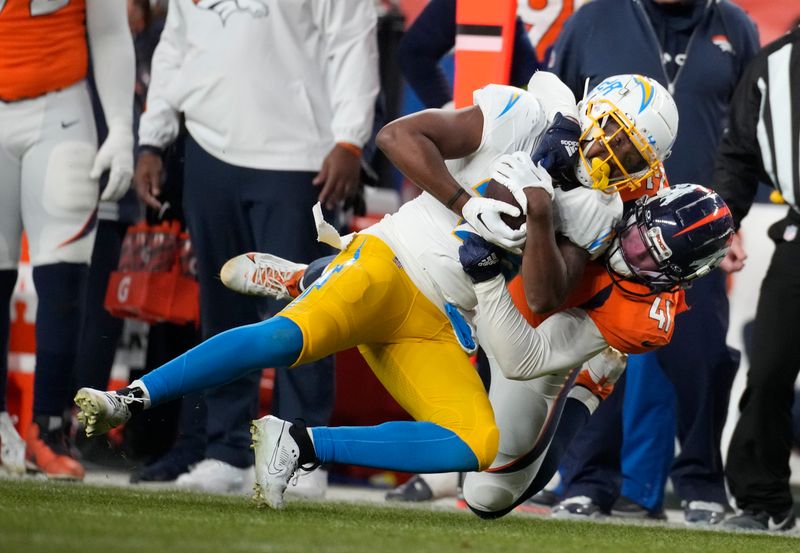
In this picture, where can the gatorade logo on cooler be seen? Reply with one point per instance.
(124, 289)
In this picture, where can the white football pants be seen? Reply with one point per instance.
(47, 147)
(524, 413)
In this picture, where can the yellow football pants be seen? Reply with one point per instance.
(365, 299)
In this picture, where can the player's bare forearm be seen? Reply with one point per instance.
(550, 268)
(419, 144)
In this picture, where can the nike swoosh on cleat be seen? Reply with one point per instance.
(778, 525)
(272, 467)
(68, 124)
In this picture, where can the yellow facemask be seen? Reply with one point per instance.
(599, 167)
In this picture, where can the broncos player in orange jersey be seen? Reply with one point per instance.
(49, 170)
(666, 240)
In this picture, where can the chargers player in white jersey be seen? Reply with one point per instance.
(398, 293)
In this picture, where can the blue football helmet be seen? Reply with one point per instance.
(671, 238)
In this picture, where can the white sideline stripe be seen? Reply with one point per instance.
(763, 135)
(120, 372)
(479, 43)
(779, 99)
(21, 362)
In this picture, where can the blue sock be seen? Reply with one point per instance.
(276, 342)
(406, 446)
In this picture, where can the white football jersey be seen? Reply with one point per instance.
(422, 232)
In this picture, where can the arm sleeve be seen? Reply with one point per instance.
(160, 124)
(349, 30)
(738, 163)
(427, 40)
(113, 60)
(522, 352)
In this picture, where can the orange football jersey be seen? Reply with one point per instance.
(630, 323)
(649, 188)
(42, 46)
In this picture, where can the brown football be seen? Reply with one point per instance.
(497, 191)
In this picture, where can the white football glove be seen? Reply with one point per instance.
(587, 217)
(517, 172)
(483, 214)
(607, 366)
(116, 155)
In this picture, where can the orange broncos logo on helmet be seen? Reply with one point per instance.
(719, 213)
(226, 8)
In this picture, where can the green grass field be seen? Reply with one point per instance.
(46, 517)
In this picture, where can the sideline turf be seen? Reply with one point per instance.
(62, 518)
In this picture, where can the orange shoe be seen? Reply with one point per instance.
(601, 372)
(49, 460)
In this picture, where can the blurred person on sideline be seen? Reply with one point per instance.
(432, 36)
(278, 100)
(760, 145)
(620, 461)
(49, 170)
(100, 331)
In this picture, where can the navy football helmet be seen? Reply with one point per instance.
(671, 238)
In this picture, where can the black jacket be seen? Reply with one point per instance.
(762, 140)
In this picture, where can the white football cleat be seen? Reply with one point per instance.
(262, 274)
(12, 446)
(309, 485)
(277, 455)
(101, 411)
(215, 476)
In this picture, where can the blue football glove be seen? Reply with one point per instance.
(558, 150)
(480, 259)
